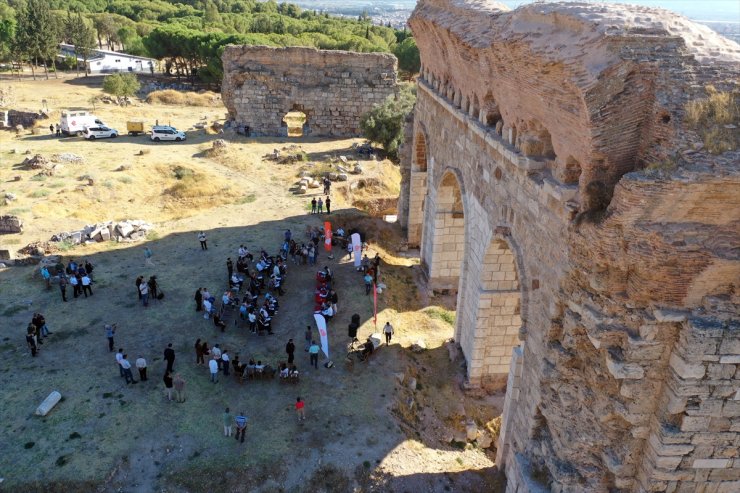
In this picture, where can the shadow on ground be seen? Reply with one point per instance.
(106, 436)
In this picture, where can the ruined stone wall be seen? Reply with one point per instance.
(625, 367)
(10, 224)
(333, 88)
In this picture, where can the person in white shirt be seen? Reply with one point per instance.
(216, 353)
(213, 367)
(207, 308)
(119, 357)
(86, 281)
(127, 370)
(225, 361)
(388, 331)
(144, 290)
(75, 285)
(141, 366)
(202, 239)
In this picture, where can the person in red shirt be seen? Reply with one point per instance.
(300, 409)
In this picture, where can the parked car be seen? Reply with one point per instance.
(164, 132)
(99, 132)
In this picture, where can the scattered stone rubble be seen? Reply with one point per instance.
(129, 230)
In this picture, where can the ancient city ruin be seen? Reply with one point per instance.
(332, 88)
(555, 185)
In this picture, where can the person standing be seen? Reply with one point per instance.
(167, 379)
(300, 408)
(47, 276)
(388, 331)
(328, 205)
(153, 287)
(127, 370)
(119, 357)
(139, 280)
(320, 205)
(213, 367)
(241, 425)
(75, 285)
(290, 349)
(228, 422)
(148, 257)
(63, 286)
(225, 362)
(141, 366)
(179, 384)
(169, 357)
(203, 241)
(216, 353)
(368, 283)
(313, 352)
(333, 298)
(144, 293)
(229, 267)
(31, 341)
(86, 285)
(110, 330)
(327, 186)
(313, 205)
(309, 337)
(199, 353)
(198, 300)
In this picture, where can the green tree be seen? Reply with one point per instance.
(82, 35)
(384, 123)
(7, 30)
(408, 56)
(124, 84)
(37, 34)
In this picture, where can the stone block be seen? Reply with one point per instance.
(730, 360)
(620, 370)
(670, 316)
(711, 463)
(730, 346)
(686, 370)
(695, 423)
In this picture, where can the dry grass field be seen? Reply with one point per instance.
(360, 433)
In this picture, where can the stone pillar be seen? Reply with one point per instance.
(417, 193)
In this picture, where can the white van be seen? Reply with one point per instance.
(73, 122)
(165, 132)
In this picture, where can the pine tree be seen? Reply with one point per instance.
(82, 36)
(37, 34)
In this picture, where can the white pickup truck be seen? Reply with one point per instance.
(74, 122)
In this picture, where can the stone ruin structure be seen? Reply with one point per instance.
(332, 88)
(555, 185)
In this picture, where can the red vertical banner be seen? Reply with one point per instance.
(375, 302)
(327, 236)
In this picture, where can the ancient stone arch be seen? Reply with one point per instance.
(601, 294)
(417, 186)
(333, 88)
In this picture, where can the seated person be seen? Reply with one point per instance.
(284, 371)
(327, 311)
(259, 367)
(367, 348)
(340, 231)
(293, 372)
(218, 322)
(237, 281)
(227, 298)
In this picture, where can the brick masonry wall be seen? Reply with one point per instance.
(333, 88)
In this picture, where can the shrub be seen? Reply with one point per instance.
(124, 84)
(384, 123)
(716, 119)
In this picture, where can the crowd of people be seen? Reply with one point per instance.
(250, 299)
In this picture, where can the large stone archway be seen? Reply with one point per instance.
(602, 294)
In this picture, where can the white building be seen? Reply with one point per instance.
(108, 62)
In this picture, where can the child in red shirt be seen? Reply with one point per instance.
(299, 407)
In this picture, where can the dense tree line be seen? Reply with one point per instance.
(188, 35)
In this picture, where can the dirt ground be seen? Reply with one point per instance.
(365, 430)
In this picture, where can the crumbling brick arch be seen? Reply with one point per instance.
(490, 112)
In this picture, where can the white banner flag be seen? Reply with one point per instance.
(357, 248)
(321, 324)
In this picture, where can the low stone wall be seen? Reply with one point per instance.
(332, 88)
